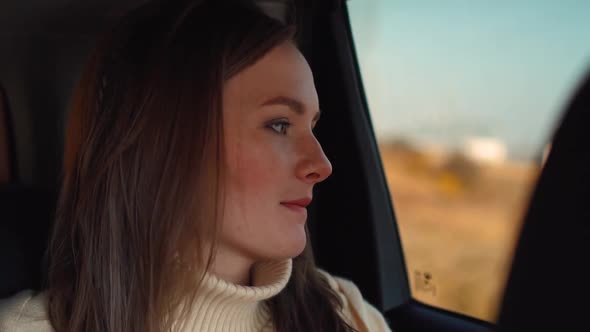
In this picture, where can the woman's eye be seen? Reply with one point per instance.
(280, 127)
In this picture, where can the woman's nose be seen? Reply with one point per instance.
(314, 166)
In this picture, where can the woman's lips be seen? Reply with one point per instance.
(295, 207)
(303, 202)
(298, 205)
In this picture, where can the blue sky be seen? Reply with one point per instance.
(443, 71)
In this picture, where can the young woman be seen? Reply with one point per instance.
(189, 160)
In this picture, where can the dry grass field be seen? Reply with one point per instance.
(458, 222)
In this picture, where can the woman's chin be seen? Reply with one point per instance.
(298, 243)
(289, 246)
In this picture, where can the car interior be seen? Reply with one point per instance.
(352, 221)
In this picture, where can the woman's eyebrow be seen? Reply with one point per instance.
(293, 104)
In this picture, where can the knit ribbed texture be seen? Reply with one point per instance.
(223, 306)
(219, 306)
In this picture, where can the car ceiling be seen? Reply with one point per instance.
(82, 16)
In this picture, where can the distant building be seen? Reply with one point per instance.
(485, 150)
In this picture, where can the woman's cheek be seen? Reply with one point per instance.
(259, 166)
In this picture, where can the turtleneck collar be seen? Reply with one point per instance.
(224, 306)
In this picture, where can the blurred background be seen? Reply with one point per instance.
(464, 97)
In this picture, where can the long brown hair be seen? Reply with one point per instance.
(143, 173)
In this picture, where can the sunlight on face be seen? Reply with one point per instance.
(273, 157)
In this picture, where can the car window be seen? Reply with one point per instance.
(464, 97)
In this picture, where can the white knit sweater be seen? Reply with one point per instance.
(219, 306)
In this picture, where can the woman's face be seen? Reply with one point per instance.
(273, 158)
